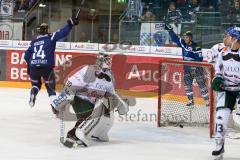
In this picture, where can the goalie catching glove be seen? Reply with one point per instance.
(118, 102)
(217, 84)
(122, 106)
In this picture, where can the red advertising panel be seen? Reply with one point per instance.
(132, 72)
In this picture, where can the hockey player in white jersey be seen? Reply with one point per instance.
(217, 48)
(91, 92)
(226, 83)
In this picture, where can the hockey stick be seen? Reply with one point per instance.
(79, 10)
(62, 125)
(233, 135)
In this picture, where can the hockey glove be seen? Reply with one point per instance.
(73, 21)
(217, 84)
(168, 27)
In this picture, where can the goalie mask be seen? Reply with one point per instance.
(42, 29)
(104, 61)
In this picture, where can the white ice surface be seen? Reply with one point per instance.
(33, 134)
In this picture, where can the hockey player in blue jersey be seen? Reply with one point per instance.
(40, 58)
(191, 52)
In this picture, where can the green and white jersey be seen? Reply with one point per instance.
(228, 66)
(215, 51)
(93, 87)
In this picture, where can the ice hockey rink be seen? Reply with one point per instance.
(33, 134)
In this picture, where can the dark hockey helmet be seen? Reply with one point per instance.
(104, 61)
(43, 28)
(188, 33)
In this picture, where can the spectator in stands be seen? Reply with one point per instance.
(181, 3)
(229, 12)
(83, 37)
(31, 3)
(174, 18)
(23, 5)
(17, 4)
(148, 16)
(210, 4)
(190, 11)
(115, 38)
(195, 5)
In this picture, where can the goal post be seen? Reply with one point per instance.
(179, 83)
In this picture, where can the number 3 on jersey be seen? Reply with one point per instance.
(38, 52)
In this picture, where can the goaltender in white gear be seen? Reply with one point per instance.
(226, 82)
(92, 86)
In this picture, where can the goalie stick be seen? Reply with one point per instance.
(62, 126)
(62, 123)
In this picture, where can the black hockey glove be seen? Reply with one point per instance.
(75, 21)
(75, 18)
(168, 27)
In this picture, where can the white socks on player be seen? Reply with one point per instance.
(221, 121)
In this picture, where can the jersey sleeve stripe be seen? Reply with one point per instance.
(53, 35)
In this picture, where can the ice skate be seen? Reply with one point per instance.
(104, 138)
(73, 141)
(218, 152)
(190, 103)
(207, 103)
(33, 94)
(32, 100)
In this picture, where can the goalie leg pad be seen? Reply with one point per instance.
(97, 125)
(101, 130)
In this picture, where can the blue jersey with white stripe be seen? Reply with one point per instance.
(41, 50)
(190, 52)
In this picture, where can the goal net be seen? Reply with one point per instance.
(185, 94)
